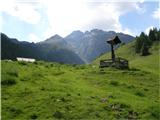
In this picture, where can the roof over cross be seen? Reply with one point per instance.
(114, 41)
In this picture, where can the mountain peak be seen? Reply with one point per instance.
(112, 32)
(75, 34)
(56, 36)
(96, 30)
(77, 31)
(5, 37)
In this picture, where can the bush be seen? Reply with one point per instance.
(22, 63)
(33, 116)
(13, 73)
(36, 63)
(8, 81)
(115, 83)
(15, 111)
(154, 110)
(139, 94)
(82, 66)
(56, 73)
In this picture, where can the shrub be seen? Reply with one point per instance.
(145, 89)
(33, 116)
(36, 63)
(47, 66)
(115, 83)
(74, 65)
(22, 63)
(154, 110)
(134, 69)
(8, 81)
(13, 73)
(58, 73)
(51, 65)
(130, 86)
(42, 88)
(82, 67)
(139, 94)
(68, 94)
(37, 75)
(15, 111)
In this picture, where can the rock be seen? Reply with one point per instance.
(104, 100)
(58, 114)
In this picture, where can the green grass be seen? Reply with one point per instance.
(44, 90)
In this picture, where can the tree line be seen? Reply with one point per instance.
(144, 42)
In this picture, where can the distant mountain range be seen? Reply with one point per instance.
(76, 48)
(52, 49)
(91, 44)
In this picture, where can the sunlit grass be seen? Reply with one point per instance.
(44, 90)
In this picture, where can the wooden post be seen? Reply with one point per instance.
(112, 53)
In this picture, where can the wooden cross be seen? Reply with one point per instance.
(113, 42)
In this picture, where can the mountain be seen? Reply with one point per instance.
(12, 48)
(58, 50)
(53, 49)
(91, 44)
(76, 48)
(53, 43)
(54, 40)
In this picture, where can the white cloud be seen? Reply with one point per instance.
(33, 38)
(140, 1)
(64, 16)
(128, 31)
(25, 11)
(156, 14)
(148, 29)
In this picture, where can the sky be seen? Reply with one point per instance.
(37, 20)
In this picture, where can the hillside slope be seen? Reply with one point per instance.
(44, 90)
(53, 49)
(148, 63)
(12, 48)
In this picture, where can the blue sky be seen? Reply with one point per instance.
(140, 21)
(37, 20)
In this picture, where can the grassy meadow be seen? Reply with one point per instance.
(50, 91)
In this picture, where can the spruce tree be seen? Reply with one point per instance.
(138, 45)
(142, 44)
(145, 49)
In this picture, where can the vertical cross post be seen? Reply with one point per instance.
(112, 53)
